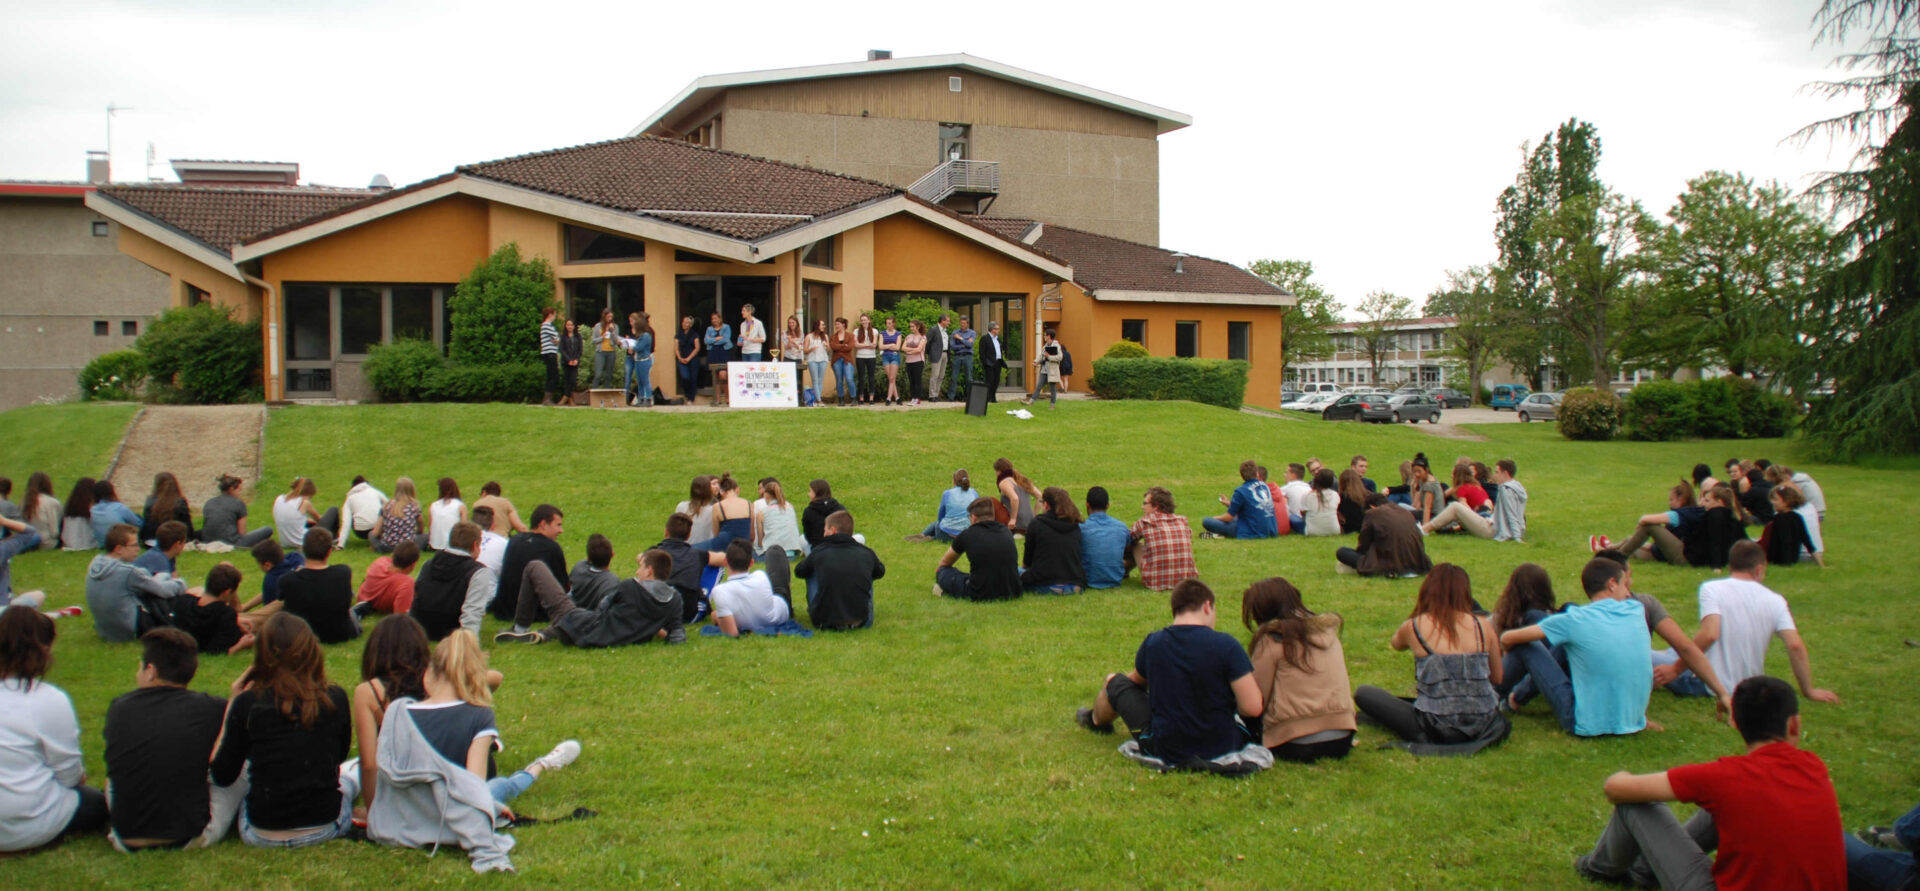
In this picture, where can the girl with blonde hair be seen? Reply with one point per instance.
(457, 719)
(399, 520)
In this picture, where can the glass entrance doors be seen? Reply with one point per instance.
(700, 296)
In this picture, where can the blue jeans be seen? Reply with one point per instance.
(507, 788)
(1297, 523)
(1217, 526)
(817, 376)
(640, 377)
(843, 387)
(936, 533)
(689, 378)
(1869, 867)
(1550, 677)
(1686, 684)
(349, 788)
(1402, 499)
(962, 374)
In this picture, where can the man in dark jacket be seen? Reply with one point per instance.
(637, 610)
(840, 574)
(1390, 544)
(541, 543)
(813, 520)
(687, 563)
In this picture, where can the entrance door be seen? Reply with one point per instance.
(702, 295)
(1011, 313)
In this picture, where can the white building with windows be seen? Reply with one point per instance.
(1418, 355)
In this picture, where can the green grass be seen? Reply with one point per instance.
(939, 748)
(65, 441)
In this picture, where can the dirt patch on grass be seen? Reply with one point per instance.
(196, 443)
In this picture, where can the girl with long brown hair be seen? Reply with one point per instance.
(1051, 562)
(76, 518)
(41, 509)
(1302, 672)
(289, 729)
(1456, 664)
(1016, 494)
(640, 360)
(701, 494)
(444, 513)
(1353, 500)
(166, 503)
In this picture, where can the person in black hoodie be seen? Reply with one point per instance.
(541, 543)
(1051, 564)
(1756, 499)
(454, 588)
(840, 574)
(687, 563)
(637, 610)
(813, 520)
(1718, 528)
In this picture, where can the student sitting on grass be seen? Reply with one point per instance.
(1792, 535)
(1320, 510)
(1302, 673)
(1506, 519)
(1770, 812)
(124, 599)
(1660, 536)
(1051, 561)
(745, 602)
(392, 667)
(591, 581)
(1188, 691)
(107, 512)
(274, 563)
(637, 610)
(436, 782)
(840, 574)
(1103, 543)
(169, 539)
(1390, 544)
(951, 518)
(492, 550)
(688, 565)
(542, 544)
(76, 519)
(1605, 644)
(159, 738)
(211, 613)
(1881, 858)
(289, 730)
(321, 594)
(388, 587)
(1162, 543)
(993, 563)
(1739, 617)
(1250, 513)
(46, 793)
(453, 589)
(1454, 709)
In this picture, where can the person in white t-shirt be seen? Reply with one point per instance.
(46, 795)
(492, 550)
(745, 601)
(361, 511)
(294, 513)
(1739, 618)
(445, 513)
(1299, 495)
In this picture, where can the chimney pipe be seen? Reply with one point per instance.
(874, 55)
(99, 168)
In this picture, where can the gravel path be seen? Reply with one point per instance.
(197, 443)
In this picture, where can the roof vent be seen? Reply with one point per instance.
(879, 55)
(380, 181)
(98, 168)
(1179, 263)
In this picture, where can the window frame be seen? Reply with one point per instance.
(567, 249)
(1244, 340)
(1180, 327)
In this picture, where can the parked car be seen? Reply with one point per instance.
(1289, 394)
(1450, 398)
(1409, 407)
(1349, 406)
(1322, 387)
(1539, 406)
(1507, 396)
(1310, 402)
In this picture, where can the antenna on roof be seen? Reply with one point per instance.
(151, 160)
(111, 108)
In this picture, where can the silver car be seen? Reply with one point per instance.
(1539, 406)
(1409, 407)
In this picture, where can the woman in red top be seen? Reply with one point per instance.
(1467, 489)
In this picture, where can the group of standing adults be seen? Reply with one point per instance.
(614, 360)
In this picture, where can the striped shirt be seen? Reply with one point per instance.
(549, 339)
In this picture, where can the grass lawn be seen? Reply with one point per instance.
(939, 748)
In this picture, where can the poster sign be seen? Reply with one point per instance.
(762, 385)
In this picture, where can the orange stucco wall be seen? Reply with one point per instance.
(436, 242)
(182, 270)
(911, 255)
(1089, 326)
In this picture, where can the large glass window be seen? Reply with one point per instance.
(819, 304)
(591, 245)
(1134, 330)
(820, 254)
(413, 313)
(309, 323)
(586, 297)
(1186, 339)
(1239, 340)
(360, 320)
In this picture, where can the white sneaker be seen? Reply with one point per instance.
(561, 756)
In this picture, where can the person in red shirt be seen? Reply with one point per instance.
(388, 587)
(1771, 812)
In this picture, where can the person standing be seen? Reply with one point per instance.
(866, 355)
(570, 349)
(753, 336)
(993, 359)
(686, 358)
(814, 348)
(937, 340)
(793, 348)
(719, 342)
(890, 338)
(841, 347)
(550, 354)
(914, 351)
(640, 360)
(606, 350)
(1046, 369)
(961, 349)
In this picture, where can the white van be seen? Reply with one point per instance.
(1321, 387)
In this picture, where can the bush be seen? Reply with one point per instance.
(1764, 414)
(907, 309)
(1589, 414)
(1221, 382)
(117, 375)
(1657, 411)
(399, 371)
(510, 382)
(1717, 408)
(202, 355)
(496, 309)
(1126, 349)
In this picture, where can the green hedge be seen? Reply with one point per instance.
(509, 382)
(1126, 349)
(1722, 408)
(1586, 413)
(202, 355)
(118, 375)
(1221, 382)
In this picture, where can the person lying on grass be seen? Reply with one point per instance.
(632, 611)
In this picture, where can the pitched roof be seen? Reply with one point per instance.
(221, 216)
(1007, 226)
(728, 193)
(1104, 263)
(703, 89)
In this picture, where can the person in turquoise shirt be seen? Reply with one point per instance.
(1605, 642)
(1103, 543)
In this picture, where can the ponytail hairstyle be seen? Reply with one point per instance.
(961, 480)
(1003, 469)
(1684, 492)
(728, 484)
(459, 662)
(771, 488)
(301, 488)
(1273, 607)
(289, 664)
(1326, 487)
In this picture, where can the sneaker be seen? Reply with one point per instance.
(1084, 717)
(1878, 836)
(937, 592)
(1211, 535)
(1593, 544)
(362, 610)
(65, 612)
(561, 756)
(532, 637)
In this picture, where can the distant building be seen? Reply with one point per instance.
(1419, 354)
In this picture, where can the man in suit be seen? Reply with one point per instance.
(993, 359)
(936, 358)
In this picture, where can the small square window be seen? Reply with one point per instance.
(1134, 330)
(100, 329)
(100, 228)
(130, 329)
(953, 85)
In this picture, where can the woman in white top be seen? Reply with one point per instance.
(817, 355)
(444, 514)
(701, 495)
(793, 349)
(774, 522)
(43, 791)
(293, 513)
(1322, 507)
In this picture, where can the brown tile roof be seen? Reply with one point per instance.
(1101, 263)
(221, 216)
(1006, 226)
(731, 194)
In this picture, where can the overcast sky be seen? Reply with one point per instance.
(1370, 139)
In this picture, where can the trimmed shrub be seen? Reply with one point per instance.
(1221, 382)
(118, 375)
(510, 382)
(496, 309)
(398, 371)
(1764, 414)
(1126, 349)
(1586, 413)
(202, 355)
(1718, 409)
(1657, 411)
(906, 310)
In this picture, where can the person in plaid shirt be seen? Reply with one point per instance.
(1162, 543)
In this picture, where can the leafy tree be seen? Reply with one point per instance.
(1590, 245)
(1474, 301)
(1865, 324)
(1381, 317)
(1304, 334)
(496, 309)
(1526, 337)
(1735, 271)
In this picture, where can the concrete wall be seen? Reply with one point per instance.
(56, 280)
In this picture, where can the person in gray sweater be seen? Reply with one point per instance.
(637, 610)
(123, 598)
(590, 582)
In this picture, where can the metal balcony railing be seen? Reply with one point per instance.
(958, 177)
